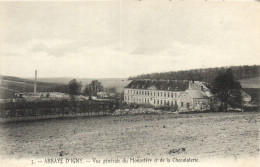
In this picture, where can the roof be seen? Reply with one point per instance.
(197, 94)
(198, 85)
(244, 94)
(167, 85)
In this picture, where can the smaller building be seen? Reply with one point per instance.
(246, 98)
(193, 100)
(102, 94)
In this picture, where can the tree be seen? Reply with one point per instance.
(93, 88)
(227, 90)
(74, 87)
(111, 90)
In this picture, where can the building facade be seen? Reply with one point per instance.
(167, 93)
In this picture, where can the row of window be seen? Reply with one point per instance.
(147, 100)
(164, 102)
(152, 93)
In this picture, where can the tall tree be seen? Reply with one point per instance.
(95, 87)
(74, 87)
(227, 90)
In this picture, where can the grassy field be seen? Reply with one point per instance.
(204, 135)
(250, 82)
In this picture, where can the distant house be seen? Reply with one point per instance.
(186, 95)
(246, 98)
(102, 94)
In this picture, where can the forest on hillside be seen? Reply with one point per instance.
(207, 74)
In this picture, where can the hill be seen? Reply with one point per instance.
(118, 83)
(250, 82)
(208, 74)
(10, 85)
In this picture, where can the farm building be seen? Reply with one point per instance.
(102, 94)
(246, 98)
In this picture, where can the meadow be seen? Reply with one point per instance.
(201, 135)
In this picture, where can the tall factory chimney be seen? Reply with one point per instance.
(35, 82)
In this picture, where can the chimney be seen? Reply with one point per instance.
(35, 82)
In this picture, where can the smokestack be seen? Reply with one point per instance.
(35, 82)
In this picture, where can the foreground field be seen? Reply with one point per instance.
(205, 135)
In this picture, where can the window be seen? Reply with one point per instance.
(161, 94)
(144, 100)
(164, 102)
(182, 104)
(188, 105)
(175, 95)
(148, 100)
(158, 94)
(137, 92)
(161, 102)
(172, 95)
(154, 101)
(168, 94)
(175, 103)
(144, 92)
(148, 93)
(164, 94)
(171, 103)
(158, 101)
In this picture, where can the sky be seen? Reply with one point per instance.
(118, 39)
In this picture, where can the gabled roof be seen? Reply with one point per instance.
(167, 85)
(197, 94)
(244, 94)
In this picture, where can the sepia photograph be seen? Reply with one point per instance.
(100, 83)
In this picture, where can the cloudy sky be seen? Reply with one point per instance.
(113, 39)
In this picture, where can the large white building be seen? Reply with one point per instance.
(186, 95)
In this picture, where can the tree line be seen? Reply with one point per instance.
(206, 75)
